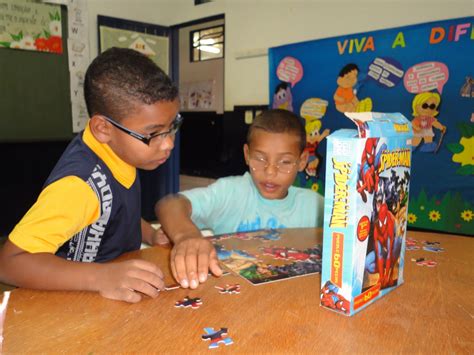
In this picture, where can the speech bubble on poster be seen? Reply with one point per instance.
(386, 72)
(426, 76)
(313, 108)
(290, 70)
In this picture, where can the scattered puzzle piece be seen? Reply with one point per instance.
(424, 262)
(426, 242)
(412, 244)
(216, 337)
(194, 303)
(172, 287)
(229, 289)
(433, 249)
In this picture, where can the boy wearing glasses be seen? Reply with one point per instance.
(89, 210)
(263, 198)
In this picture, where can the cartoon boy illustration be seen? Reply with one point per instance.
(313, 138)
(282, 98)
(345, 96)
(424, 112)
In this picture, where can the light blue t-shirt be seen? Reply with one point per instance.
(233, 204)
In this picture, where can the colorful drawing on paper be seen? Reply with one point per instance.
(30, 26)
(423, 71)
(267, 255)
(154, 47)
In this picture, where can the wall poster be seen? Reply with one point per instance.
(155, 47)
(424, 71)
(30, 26)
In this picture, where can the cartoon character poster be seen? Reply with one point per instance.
(425, 72)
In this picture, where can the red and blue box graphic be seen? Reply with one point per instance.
(365, 210)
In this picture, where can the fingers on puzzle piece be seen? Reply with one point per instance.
(229, 289)
(216, 337)
(194, 303)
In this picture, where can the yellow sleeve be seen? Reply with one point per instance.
(63, 208)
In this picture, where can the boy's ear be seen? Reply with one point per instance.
(303, 160)
(246, 153)
(100, 128)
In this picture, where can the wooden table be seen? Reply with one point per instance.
(433, 312)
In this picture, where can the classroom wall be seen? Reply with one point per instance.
(207, 70)
(252, 26)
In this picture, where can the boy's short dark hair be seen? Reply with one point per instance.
(119, 79)
(279, 121)
(348, 68)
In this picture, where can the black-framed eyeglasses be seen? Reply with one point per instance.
(431, 107)
(160, 136)
(283, 166)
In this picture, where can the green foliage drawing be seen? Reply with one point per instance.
(55, 17)
(443, 214)
(463, 151)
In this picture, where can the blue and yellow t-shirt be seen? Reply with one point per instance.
(89, 209)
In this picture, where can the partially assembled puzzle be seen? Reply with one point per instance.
(365, 210)
(267, 255)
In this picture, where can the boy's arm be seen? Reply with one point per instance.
(47, 271)
(28, 258)
(192, 255)
(152, 236)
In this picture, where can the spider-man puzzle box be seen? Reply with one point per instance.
(365, 210)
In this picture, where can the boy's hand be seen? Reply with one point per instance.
(127, 280)
(191, 260)
(160, 238)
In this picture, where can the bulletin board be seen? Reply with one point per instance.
(35, 101)
(424, 71)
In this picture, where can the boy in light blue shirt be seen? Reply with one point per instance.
(263, 198)
(234, 204)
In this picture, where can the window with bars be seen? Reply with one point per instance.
(207, 43)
